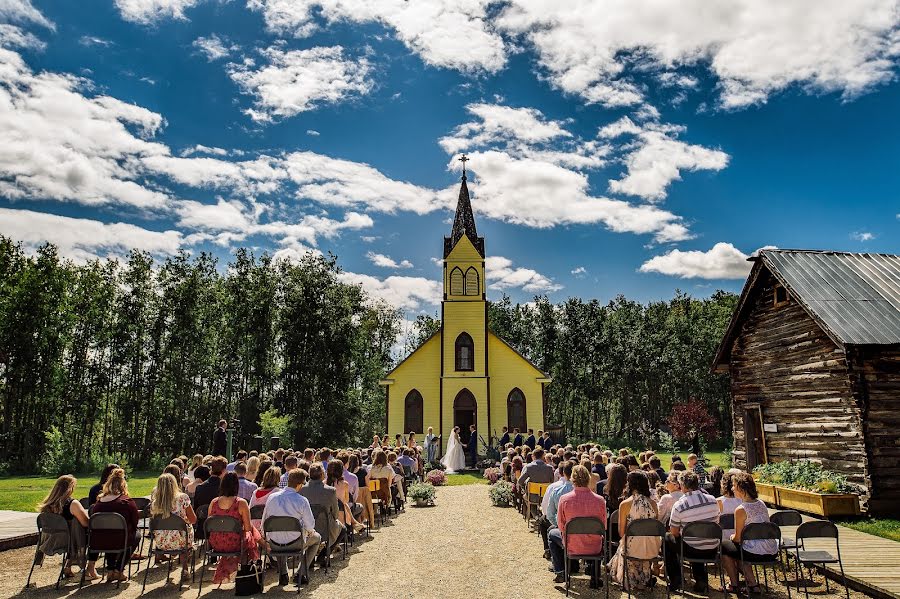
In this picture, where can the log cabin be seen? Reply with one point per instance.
(813, 350)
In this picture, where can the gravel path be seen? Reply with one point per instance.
(462, 547)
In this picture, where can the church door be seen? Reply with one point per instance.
(464, 407)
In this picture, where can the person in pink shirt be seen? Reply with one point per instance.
(581, 501)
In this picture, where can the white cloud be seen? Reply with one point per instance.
(312, 133)
(500, 272)
(457, 35)
(405, 293)
(147, 12)
(201, 149)
(296, 81)
(387, 261)
(83, 239)
(214, 47)
(15, 37)
(579, 272)
(90, 40)
(862, 236)
(23, 11)
(723, 261)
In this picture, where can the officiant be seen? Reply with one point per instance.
(431, 446)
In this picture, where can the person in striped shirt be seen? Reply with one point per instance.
(694, 506)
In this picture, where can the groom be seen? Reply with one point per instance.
(473, 445)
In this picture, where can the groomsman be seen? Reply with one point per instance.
(548, 442)
(431, 445)
(518, 440)
(531, 441)
(504, 439)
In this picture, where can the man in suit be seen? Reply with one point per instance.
(548, 442)
(320, 494)
(431, 446)
(518, 440)
(472, 446)
(537, 471)
(531, 442)
(220, 439)
(504, 440)
(209, 489)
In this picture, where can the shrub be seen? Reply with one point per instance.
(492, 475)
(436, 477)
(429, 466)
(422, 492)
(501, 494)
(803, 475)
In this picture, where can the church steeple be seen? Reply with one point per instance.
(464, 222)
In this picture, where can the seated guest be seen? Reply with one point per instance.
(550, 503)
(363, 495)
(697, 468)
(695, 506)
(209, 490)
(290, 463)
(239, 459)
(656, 464)
(246, 488)
(615, 486)
(335, 478)
(715, 481)
(253, 463)
(653, 481)
(673, 493)
(581, 501)
(291, 503)
(406, 459)
(633, 463)
(318, 493)
(114, 498)
(175, 471)
(265, 492)
(537, 471)
(678, 466)
(381, 469)
(595, 478)
(637, 505)
(201, 475)
(517, 467)
(261, 472)
(229, 504)
(750, 511)
(168, 500)
(728, 503)
(196, 462)
(95, 491)
(599, 465)
(60, 501)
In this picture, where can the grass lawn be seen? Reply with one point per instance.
(880, 527)
(455, 480)
(716, 458)
(23, 493)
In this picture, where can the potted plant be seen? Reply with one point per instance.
(501, 494)
(808, 487)
(422, 493)
(436, 477)
(492, 475)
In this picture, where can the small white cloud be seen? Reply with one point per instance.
(147, 12)
(214, 47)
(369, 238)
(503, 275)
(723, 261)
(312, 133)
(863, 235)
(90, 40)
(201, 149)
(579, 272)
(387, 261)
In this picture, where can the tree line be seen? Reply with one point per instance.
(134, 360)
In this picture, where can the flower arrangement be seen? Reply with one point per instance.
(429, 466)
(492, 475)
(485, 464)
(422, 493)
(501, 494)
(803, 475)
(436, 477)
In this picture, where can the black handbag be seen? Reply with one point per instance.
(249, 580)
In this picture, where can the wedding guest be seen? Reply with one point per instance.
(673, 494)
(318, 493)
(60, 501)
(292, 504)
(595, 478)
(728, 503)
(656, 464)
(363, 494)
(95, 490)
(253, 463)
(265, 492)
(637, 505)
(114, 498)
(209, 490)
(246, 488)
(537, 471)
(694, 506)
(653, 481)
(550, 503)
(697, 468)
(175, 471)
(290, 462)
(678, 466)
(261, 472)
(196, 462)
(229, 504)
(168, 500)
(581, 501)
(335, 478)
(750, 511)
(399, 441)
(716, 475)
(615, 486)
(380, 469)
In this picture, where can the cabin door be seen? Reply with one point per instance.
(464, 408)
(754, 436)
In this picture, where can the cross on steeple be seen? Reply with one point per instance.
(464, 159)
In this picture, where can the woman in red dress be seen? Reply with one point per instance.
(229, 504)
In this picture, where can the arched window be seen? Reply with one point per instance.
(472, 286)
(465, 352)
(456, 282)
(515, 410)
(413, 413)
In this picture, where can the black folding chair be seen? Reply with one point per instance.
(584, 525)
(85, 503)
(707, 531)
(645, 527)
(294, 549)
(819, 529)
(256, 512)
(51, 524)
(175, 523)
(223, 524)
(612, 533)
(762, 531)
(143, 507)
(108, 522)
(323, 527)
(726, 521)
(782, 519)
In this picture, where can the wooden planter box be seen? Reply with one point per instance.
(827, 505)
(767, 493)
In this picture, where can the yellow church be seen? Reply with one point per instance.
(464, 373)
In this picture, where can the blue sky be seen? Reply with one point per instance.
(627, 147)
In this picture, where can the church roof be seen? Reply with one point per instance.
(464, 223)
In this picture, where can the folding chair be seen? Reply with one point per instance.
(256, 514)
(762, 531)
(612, 533)
(705, 531)
(375, 489)
(323, 527)
(294, 549)
(384, 493)
(223, 524)
(107, 521)
(726, 521)
(171, 522)
(85, 503)
(782, 519)
(143, 507)
(819, 529)
(51, 524)
(645, 527)
(584, 525)
(536, 493)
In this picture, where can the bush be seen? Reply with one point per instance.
(492, 475)
(803, 475)
(273, 425)
(429, 466)
(422, 492)
(436, 477)
(501, 494)
(60, 457)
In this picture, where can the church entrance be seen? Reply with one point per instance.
(464, 408)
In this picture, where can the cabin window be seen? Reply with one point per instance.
(515, 410)
(472, 286)
(465, 352)
(456, 281)
(413, 416)
(780, 296)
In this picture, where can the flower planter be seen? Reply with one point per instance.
(421, 503)
(822, 504)
(767, 493)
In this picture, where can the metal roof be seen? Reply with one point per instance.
(854, 297)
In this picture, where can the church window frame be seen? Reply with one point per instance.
(413, 413)
(472, 283)
(457, 281)
(464, 351)
(516, 401)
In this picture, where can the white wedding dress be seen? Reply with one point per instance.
(455, 459)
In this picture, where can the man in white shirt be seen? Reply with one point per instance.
(694, 506)
(290, 502)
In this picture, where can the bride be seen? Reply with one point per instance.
(455, 459)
